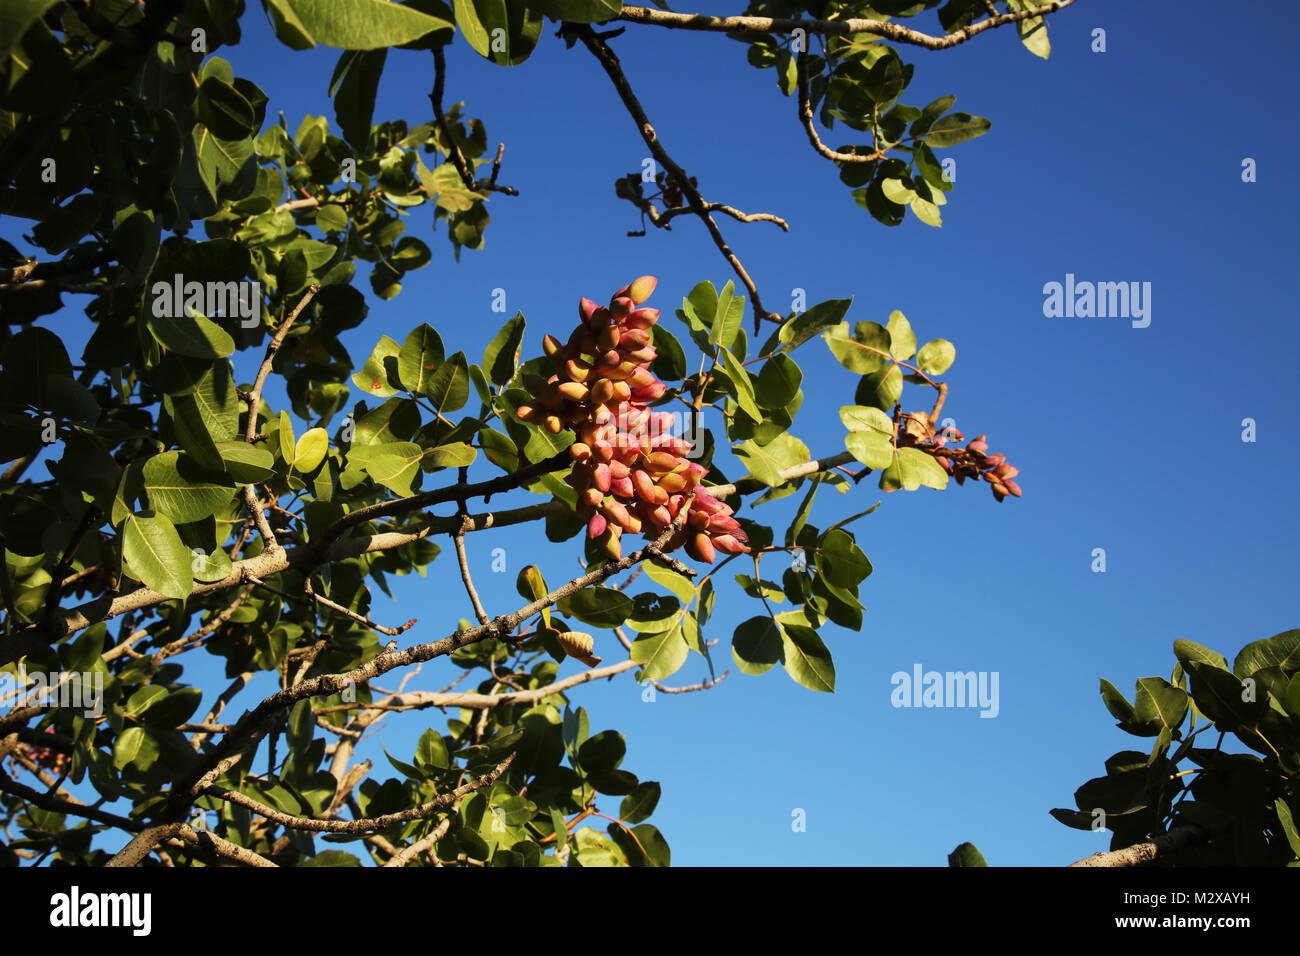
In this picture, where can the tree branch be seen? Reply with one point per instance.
(365, 824)
(847, 27)
(453, 148)
(264, 565)
(254, 403)
(609, 61)
(1140, 853)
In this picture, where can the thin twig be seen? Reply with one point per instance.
(254, 403)
(365, 824)
(453, 148)
(610, 63)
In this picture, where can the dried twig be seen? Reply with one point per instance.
(609, 61)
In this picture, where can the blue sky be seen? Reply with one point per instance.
(1116, 166)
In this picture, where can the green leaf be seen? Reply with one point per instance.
(431, 752)
(956, 128)
(807, 659)
(532, 587)
(902, 340)
(652, 613)
(602, 751)
(931, 113)
(911, 469)
(756, 645)
(1160, 700)
(499, 449)
(863, 350)
(670, 363)
(765, 462)
(224, 110)
(454, 455)
(744, 387)
(640, 803)
(170, 710)
(16, 16)
(183, 491)
(310, 450)
(1287, 820)
(501, 357)
(727, 316)
(353, 86)
(448, 389)
(1189, 652)
(378, 376)
(936, 356)
(966, 855)
(881, 389)
(290, 31)
(799, 329)
(1218, 695)
(211, 567)
(678, 584)
(358, 24)
(661, 653)
(127, 746)
(580, 11)
(599, 607)
(778, 382)
(418, 359)
(759, 588)
(1117, 704)
(926, 211)
(841, 560)
(1032, 31)
(504, 32)
(156, 556)
(871, 435)
(1281, 650)
(191, 335)
(392, 464)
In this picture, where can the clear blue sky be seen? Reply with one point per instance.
(1115, 166)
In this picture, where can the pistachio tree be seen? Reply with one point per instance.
(195, 469)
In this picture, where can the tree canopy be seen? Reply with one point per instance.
(216, 247)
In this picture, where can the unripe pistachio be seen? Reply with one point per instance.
(701, 548)
(641, 289)
(727, 543)
(577, 369)
(573, 391)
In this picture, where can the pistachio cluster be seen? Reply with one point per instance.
(975, 462)
(629, 468)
